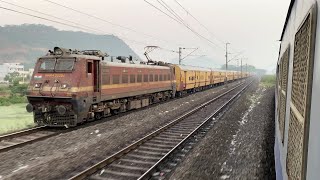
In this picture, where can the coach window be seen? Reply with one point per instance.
(164, 77)
(169, 76)
(139, 78)
(132, 78)
(151, 77)
(160, 77)
(115, 79)
(145, 78)
(156, 77)
(124, 78)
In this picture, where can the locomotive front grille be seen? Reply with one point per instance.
(54, 119)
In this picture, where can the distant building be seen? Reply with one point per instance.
(7, 68)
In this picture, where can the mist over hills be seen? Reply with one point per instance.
(25, 43)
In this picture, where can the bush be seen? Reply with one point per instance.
(13, 99)
(268, 80)
(4, 101)
(19, 89)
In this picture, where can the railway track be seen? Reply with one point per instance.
(143, 158)
(17, 139)
(28, 136)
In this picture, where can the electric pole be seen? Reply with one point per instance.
(246, 67)
(226, 78)
(180, 55)
(241, 67)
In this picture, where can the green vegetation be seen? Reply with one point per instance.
(14, 118)
(268, 80)
(12, 99)
(13, 94)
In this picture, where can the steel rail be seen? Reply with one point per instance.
(93, 169)
(16, 139)
(148, 173)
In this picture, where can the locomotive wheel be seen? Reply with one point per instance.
(98, 116)
(115, 111)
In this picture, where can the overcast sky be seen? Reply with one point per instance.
(251, 26)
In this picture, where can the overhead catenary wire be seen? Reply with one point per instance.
(205, 27)
(196, 33)
(49, 15)
(77, 25)
(65, 24)
(43, 18)
(104, 20)
(198, 21)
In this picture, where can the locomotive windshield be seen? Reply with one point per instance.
(56, 64)
(64, 64)
(47, 64)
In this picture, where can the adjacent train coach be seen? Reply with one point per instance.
(297, 121)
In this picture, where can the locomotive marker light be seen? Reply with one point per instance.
(37, 85)
(64, 86)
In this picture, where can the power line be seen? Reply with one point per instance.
(39, 17)
(162, 11)
(196, 33)
(104, 20)
(198, 21)
(66, 24)
(170, 10)
(212, 34)
(48, 15)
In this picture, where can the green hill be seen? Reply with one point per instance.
(25, 43)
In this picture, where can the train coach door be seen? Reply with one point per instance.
(185, 80)
(93, 70)
(96, 77)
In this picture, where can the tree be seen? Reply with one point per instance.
(13, 77)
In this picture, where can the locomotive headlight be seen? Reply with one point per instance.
(37, 85)
(64, 86)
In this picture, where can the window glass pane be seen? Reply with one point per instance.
(89, 67)
(124, 78)
(151, 77)
(47, 64)
(139, 78)
(64, 65)
(145, 78)
(115, 79)
(132, 78)
(156, 77)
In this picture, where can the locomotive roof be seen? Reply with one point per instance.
(74, 56)
(119, 64)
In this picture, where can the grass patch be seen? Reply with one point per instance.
(14, 118)
(13, 99)
(268, 80)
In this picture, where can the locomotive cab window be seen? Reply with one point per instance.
(89, 67)
(64, 65)
(47, 64)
